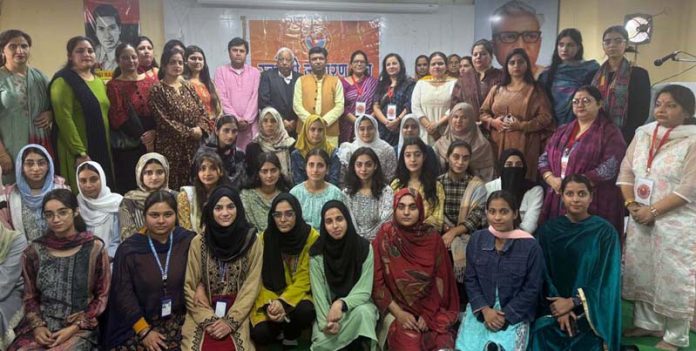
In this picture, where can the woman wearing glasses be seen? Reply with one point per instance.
(625, 88)
(590, 145)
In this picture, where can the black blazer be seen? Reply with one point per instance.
(275, 93)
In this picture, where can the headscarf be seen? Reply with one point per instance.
(97, 211)
(343, 259)
(513, 179)
(481, 152)
(33, 202)
(275, 244)
(227, 243)
(142, 192)
(376, 144)
(407, 117)
(280, 138)
(419, 228)
(304, 146)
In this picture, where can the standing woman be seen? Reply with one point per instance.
(272, 138)
(625, 88)
(453, 65)
(263, 187)
(147, 63)
(431, 98)
(81, 109)
(313, 136)
(208, 173)
(367, 132)
(567, 73)
(421, 67)
(314, 192)
(129, 115)
(393, 97)
(225, 262)
(25, 107)
(197, 73)
(66, 281)
(474, 87)
(358, 92)
(517, 112)
(224, 143)
(181, 118)
(147, 306)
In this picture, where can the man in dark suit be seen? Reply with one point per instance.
(277, 87)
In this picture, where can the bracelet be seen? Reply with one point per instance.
(547, 175)
(654, 212)
(145, 334)
(628, 203)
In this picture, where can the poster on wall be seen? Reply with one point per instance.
(300, 33)
(529, 24)
(109, 23)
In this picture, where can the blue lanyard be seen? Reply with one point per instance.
(169, 255)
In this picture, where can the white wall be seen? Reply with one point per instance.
(450, 29)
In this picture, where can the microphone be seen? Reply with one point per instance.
(666, 58)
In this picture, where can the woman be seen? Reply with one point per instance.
(568, 72)
(25, 115)
(421, 67)
(341, 272)
(130, 119)
(209, 173)
(475, 86)
(462, 127)
(582, 286)
(67, 258)
(529, 196)
(81, 109)
(414, 288)
(264, 186)
(393, 97)
(466, 65)
(197, 73)
(36, 177)
(225, 262)
(180, 116)
(314, 192)
(224, 143)
(504, 279)
(413, 172)
(152, 174)
(313, 136)
(517, 112)
(410, 128)
(147, 306)
(358, 92)
(367, 131)
(367, 194)
(98, 205)
(147, 63)
(453, 65)
(431, 97)
(659, 190)
(625, 88)
(284, 304)
(590, 145)
(272, 138)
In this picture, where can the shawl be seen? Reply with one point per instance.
(277, 244)
(513, 234)
(304, 146)
(378, 145)
(614, 92)
(53, 242)
(227, 243)
(96, 211)
(280, 138)
(474, 195)
(481, 151)
(343, 258)
(33, 202)
(142, 192)
(567, 78)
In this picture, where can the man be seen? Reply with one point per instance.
(107, 29)
(278, 87)
(516, 25)
(320, 94)
(237, 85)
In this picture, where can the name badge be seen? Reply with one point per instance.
(642, 190)
(391, 112)
(564, 162)
(166, 307)
(360, 108)
(220, 308)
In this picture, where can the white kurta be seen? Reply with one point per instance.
(432, 101)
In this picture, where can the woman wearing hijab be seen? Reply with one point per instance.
(98, 205)
(414, 287)
(284, 303)
(313, 136)
(410, 127)
(225, 263)
(273, 138)
(341, 272)
(367, 135)
(224, 143)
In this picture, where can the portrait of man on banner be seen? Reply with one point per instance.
(108, 24)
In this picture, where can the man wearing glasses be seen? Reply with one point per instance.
(517, 25)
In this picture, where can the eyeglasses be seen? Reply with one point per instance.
(286, 214)
(584, 101)
(61, 214)
(615, 41)
(528, 37)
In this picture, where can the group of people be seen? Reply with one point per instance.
(476, 210)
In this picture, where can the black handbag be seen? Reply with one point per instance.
(127, 137)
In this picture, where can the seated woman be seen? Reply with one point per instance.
(224, 263)
(583, 277)
(367, 195)
(272, 138)
(412, 172)
(367, 135)
(341, 272)
(284, 304)
(209, 172)
(146, 305)
(66, 281)
(98, 205)
(265, 184)
(504, 279)
(414, 287)
(512, 168)
(314, 192)
(313, 136)
(410, 127)
(35, 175)
(224, 143)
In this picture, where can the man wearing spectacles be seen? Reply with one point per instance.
(516, 25)
(277, 88)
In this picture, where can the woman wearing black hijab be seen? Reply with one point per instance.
(284, 303)
(222, 277)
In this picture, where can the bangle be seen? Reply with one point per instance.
(547, 175)
(630, 202)
(654, 212)
(145, 334)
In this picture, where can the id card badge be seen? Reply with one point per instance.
(220, 308)
(166, 307)
(391, 112)
(643, 189)
(564, 162)
(360, 108)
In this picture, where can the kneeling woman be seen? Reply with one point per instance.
(414, 287)
(583, 280)
(225, 264)
(504, 277)
(284, 303)
(341, 270)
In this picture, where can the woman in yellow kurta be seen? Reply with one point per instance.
(285, 301)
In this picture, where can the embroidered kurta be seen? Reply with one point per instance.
(239, 96)
(368, 212)
(431, 101)
(256, 207)
(400, 96)
(313, 202)
(362, 91)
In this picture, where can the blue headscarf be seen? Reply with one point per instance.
(28, 199)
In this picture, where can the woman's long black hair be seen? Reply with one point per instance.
(428, 175)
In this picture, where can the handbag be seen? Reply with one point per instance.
(128, 135)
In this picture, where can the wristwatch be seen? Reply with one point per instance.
(576, 301)
(629, 203)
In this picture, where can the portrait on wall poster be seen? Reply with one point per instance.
(108, 24)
